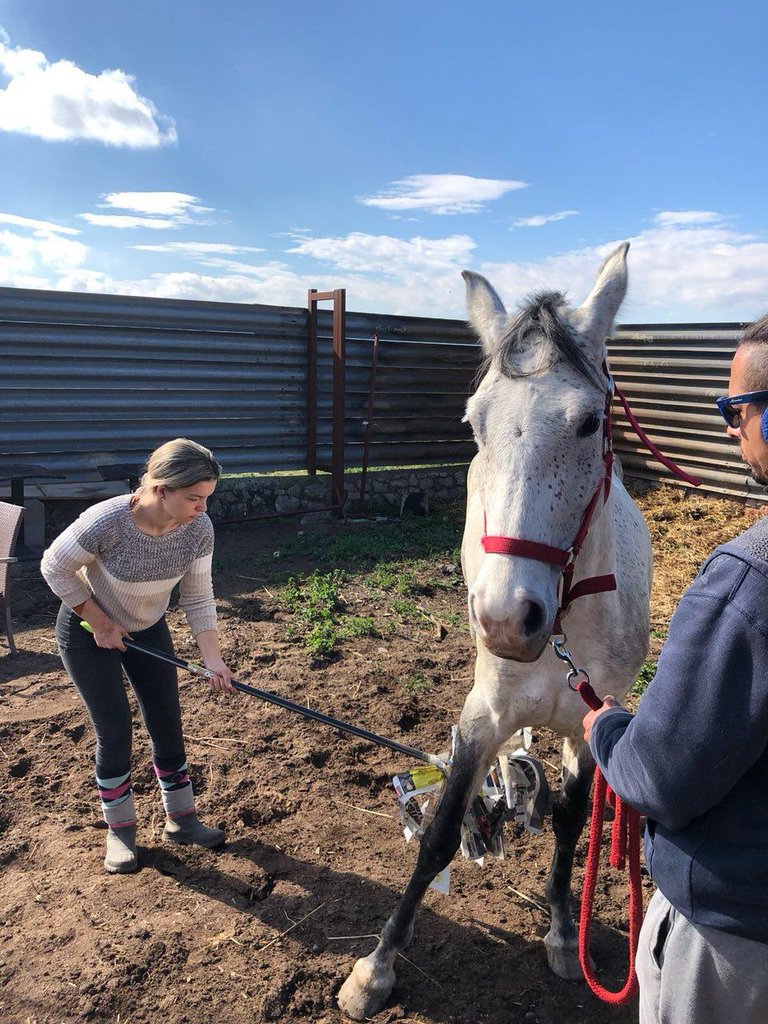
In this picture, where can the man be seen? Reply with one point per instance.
(694, 760)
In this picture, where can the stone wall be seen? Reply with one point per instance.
(390, 492)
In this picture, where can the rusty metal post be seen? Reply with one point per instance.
(369, 421)
(338, 297)
(312, 382)
(339, 395)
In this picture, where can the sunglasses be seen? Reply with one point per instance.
(728, 406)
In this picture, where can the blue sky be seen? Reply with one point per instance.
(245, 151)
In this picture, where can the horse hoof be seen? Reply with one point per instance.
(564, 961)
(366, 990)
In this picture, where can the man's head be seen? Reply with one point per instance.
(749, 372)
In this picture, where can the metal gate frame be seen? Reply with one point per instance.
(339, 330)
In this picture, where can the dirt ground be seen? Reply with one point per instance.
(267, 928)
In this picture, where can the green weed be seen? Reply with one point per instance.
(415, 683)
(644, 676)
(360, 625)
(455, 619)
(317, 604)
(405, 609)
(315, 601)
(321, 639)
(384, 576)
(315, 597)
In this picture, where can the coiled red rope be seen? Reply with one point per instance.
(625, 847)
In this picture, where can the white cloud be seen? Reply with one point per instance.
(37, 261)
(695, 271)
(117, 220)
(162, 204)
(540, 219)
(41, 228)
(164, 210)
(671, 218)
(272, 283)
(383, 254)
(61, 102)
(441, 193)
(195, 249)
(678, 270)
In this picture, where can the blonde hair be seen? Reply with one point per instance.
(179, 463)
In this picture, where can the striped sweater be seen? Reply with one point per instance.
(104, 555)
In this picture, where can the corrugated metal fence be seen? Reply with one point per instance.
(94, 381)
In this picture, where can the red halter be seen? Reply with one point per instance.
(565, 557)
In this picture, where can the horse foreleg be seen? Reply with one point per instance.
(372, 979)
(569, 813)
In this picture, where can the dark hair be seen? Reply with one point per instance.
(542, 315)
(756, 367)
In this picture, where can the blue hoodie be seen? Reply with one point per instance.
(694, 759)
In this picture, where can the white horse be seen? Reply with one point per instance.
(538, 417)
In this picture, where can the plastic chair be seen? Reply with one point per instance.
(10, 523)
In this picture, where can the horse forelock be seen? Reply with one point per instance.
(538, 337)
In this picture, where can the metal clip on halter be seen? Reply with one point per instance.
(574, 672)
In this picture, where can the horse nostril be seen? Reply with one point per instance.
(534, 619)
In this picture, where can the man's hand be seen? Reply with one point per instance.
(591, 716)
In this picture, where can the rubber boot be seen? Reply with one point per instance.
(190, 831)
(121, 858)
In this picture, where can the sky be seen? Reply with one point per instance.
(248, 150)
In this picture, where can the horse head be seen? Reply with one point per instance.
(537, 417)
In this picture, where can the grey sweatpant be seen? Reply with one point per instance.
(692, 974)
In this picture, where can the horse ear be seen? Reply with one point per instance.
(486, 310)
(595, 316)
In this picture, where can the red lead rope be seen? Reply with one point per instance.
(625, 843)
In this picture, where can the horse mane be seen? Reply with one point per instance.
(542, 314)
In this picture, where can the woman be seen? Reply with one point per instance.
(115, 568)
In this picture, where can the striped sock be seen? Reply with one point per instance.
(176, 791)
(117, 804)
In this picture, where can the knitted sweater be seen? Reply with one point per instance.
(104, 555)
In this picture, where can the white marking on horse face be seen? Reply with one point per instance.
(536, 476)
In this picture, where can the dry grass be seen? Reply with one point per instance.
(685, 527)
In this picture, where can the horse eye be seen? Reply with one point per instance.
(589, 426)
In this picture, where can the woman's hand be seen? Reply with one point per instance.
(222, 681)
(107, 634)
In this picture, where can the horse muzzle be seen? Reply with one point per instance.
(517, 632)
